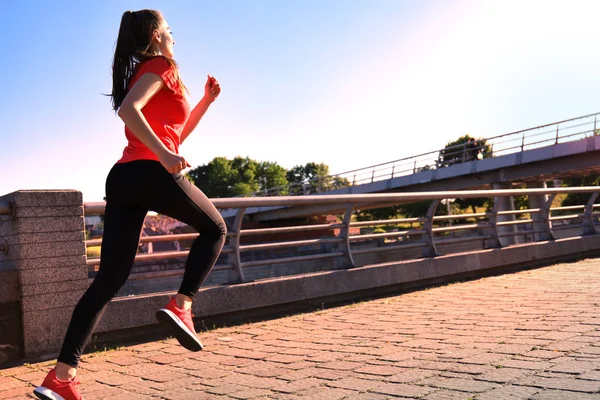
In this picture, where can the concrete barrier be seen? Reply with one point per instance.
(44, 274)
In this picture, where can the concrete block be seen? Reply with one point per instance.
(7, 265)
(36, 276)
(44, 331)
(323, 284)
(591, 243)
(36, 212)
(413, 270)
(54, 287)
(46, 198)
(515, 254)
(9, 286)
(51, 301)
(487, 258)
(64, 261)
(42, 225)
(563, 247)
(71, 236)
(128, 312)
(224, 299)
(366, 277)
(45, 250)
(448, 265)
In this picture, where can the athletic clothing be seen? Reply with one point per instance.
(166, 112)
(136, 184)
(131, 190)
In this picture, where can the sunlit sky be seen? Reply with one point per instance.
(350, 83)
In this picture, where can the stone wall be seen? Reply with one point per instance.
(47, 253)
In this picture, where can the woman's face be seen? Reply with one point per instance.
(164, 40)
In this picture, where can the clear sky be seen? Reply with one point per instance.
(350, 83)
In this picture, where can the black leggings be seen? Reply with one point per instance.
(132, 189)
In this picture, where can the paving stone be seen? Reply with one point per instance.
(564, 395)
(509, 393)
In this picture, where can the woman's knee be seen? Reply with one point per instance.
(220, 228)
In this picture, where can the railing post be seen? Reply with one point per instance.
(538, 201)
(556, 142)
(234, 241)
(548, 235)
(393, 167)
(523, 142)
(429, 250)
(588, 217)
(505, 203)
(373, 176)
(494, 243)
(345, 233)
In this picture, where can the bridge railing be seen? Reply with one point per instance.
(426, 236)
(527, 139)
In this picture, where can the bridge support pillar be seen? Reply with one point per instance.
(505, 203)
(539, 219)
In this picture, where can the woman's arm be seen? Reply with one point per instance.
(195, 117)
(131, 113)
(211, 92)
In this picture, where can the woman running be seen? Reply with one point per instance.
(150, 98)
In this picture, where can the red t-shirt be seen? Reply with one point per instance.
(166, 112)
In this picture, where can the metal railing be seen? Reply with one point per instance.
(430, 233)
(527, 139)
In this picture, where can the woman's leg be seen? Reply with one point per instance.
(123, 221)
(122, 225)
(183, 201)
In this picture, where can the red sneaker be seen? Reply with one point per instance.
(180, 321)
(53, 389)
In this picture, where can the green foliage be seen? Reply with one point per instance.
(459, 151)
(313, 178)
(244, 176)
(272, 176)
(577, 199)
(415, 210)
(378, 214)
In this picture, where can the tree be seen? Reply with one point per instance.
(226, 178)
(577, 199)
(271, 177)
(473, 203)
(244, 176)
(313, 178)
(457, 151)
(415, 210)
(377, 214)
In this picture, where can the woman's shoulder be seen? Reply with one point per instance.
(160, 63)
(163, 67)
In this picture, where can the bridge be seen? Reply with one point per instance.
(529, 157)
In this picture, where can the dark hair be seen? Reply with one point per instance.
(133, 47)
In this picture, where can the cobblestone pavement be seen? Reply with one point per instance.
(528, 335)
